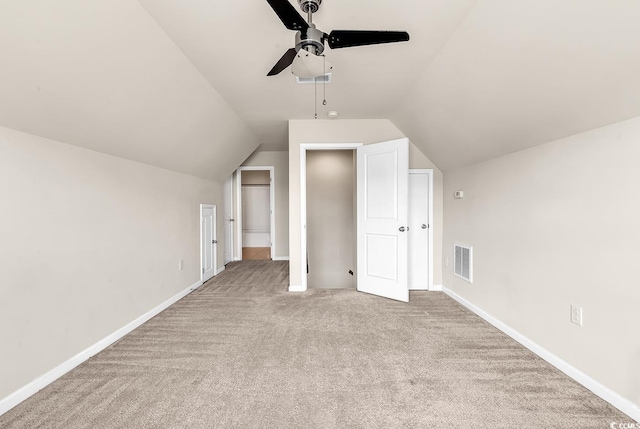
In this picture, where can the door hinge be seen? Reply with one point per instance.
(202, 270)
(214, 241)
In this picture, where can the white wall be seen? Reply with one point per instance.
(551, 226)
(364, 131)
(89, 242)
(280, 162)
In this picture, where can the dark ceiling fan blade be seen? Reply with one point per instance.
(346, 38)
(284, 62)
(288, 14)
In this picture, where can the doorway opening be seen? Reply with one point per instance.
(319, 269)
(228, 220)
(331, 219)
(255, 220)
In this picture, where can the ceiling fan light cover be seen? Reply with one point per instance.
(307, 65)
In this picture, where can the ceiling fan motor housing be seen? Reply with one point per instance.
(311, 40)
(309, 5)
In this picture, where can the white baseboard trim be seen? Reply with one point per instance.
(612, 397)
(237, 258)
(41, 382)
(281, 258)
(436, 288)
(221, 269)
(297, 288)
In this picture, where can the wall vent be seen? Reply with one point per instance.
(325, 78)
(463, 261)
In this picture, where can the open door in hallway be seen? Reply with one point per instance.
(208, 240)
(383, 171)
(228, 220)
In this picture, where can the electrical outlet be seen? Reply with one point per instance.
(576, 315)
(180, 264)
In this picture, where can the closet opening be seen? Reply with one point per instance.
(328, 222)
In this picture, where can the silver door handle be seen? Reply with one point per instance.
(424, 226)
(402, 229)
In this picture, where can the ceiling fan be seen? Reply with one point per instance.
(312, 40)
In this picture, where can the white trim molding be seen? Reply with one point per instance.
(297, 288)
(193, 287)
(281, 258)
(219, 270)
(41, 382)
(614, 398)
(436, 288)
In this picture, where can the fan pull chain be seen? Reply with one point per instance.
(315, 98)
(324, 82)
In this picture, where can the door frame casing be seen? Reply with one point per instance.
(214, 236)
(229, 189)
(429, 173)
(304, 147)
(272, 207)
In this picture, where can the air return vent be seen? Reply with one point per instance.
(325, 78)
(463, 261)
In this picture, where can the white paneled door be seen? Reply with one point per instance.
(383, 170)
(208, 240)
(419, 223)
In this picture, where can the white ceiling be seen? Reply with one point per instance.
(182, 83)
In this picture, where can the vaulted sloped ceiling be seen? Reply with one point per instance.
(479, 78)
(102, 74)
(522, 73)
(182, 84)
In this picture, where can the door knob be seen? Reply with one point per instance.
(402, 229)
(424, 226)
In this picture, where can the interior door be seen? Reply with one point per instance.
(419, 232)
(382, 189)
(208, 241)
(228, 221)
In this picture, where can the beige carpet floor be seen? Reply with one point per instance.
(242, 352)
